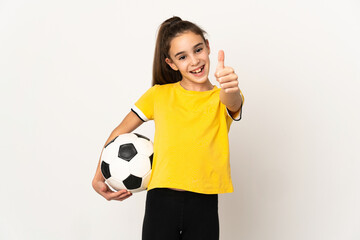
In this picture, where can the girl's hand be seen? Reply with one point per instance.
(226, 76)
(104, 190)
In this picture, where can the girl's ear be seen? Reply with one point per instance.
(207, 45)
(171, 64)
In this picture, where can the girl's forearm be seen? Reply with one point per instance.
(233, 101)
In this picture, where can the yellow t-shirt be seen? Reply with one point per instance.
(191, 147)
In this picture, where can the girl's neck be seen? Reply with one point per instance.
(199, 87)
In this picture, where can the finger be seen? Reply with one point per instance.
(114, 195)
(233, 84)
(228, 78)
(224, 72)
(221, 58)
(231, 90)
(123, 197)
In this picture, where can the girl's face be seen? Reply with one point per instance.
(189, 54)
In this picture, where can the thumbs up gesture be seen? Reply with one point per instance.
(226, 76)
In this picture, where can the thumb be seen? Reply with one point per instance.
(221, 57)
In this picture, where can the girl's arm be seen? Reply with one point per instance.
(129, 124)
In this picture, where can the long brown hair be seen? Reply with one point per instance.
(172, 27)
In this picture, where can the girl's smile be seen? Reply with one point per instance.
(198, 70)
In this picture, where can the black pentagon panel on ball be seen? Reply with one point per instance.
(110, 142)
(105, 170)
(127, 151)
(141, 136)
(132, 182)
(151, 159)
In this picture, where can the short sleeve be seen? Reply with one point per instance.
(144, 106)
(237, 116)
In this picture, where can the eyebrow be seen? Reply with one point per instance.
(197, 45)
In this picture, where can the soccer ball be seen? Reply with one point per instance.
(126, 162)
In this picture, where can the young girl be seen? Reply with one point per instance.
(191, 150)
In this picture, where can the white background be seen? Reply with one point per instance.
(70, 71)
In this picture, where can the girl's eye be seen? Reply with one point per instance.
(198, 50)
(182, 58)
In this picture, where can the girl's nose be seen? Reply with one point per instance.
(194, 60)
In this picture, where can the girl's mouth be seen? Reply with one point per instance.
(198, 70)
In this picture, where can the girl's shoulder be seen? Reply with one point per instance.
(158, 89)
(164, 87)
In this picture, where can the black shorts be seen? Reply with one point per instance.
(175, 215)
